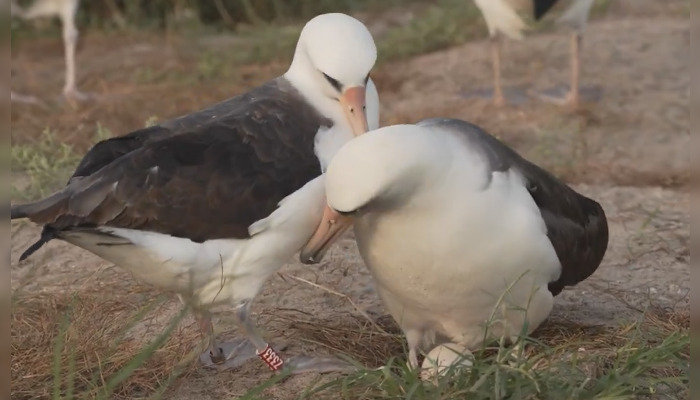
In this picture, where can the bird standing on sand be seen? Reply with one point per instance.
(65, 10)
(502, 19)
(465, 239)
(210, 204)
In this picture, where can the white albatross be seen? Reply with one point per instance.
(452, 223)
(210, 204)
(502, 18)
(65, 10)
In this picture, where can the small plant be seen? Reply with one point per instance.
(101, 133)
(46, 164)
(151, 121)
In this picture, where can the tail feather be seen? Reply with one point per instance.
(541, 7)
(46, 235)
(18, 211)
(42, 211)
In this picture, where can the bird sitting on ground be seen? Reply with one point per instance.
(466, 240)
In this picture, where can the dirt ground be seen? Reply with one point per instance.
(629, 151)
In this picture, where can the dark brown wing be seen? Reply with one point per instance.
(106, 151)
(204, 176)
(576, 225)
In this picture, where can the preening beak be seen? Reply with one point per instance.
(332, 226)
(353, 102)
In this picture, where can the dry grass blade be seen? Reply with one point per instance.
(94, 347)
(346, 297)
(351, 335)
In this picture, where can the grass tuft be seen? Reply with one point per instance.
(45, 165)
(648, 357)
(444, 24)
(102, 348)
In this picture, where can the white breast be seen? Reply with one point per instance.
(442, 263)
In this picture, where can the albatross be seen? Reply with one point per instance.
(65, 10)
(465, 239)
(210, 204)
(502, 18)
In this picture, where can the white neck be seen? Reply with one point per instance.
(301, 75)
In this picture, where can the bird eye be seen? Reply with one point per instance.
(336, 85)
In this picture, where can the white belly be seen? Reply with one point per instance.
(443, 269)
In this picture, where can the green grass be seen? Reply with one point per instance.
(631, 362)
(45, 165)
(436, 25)
(88, 334)
(444, 24)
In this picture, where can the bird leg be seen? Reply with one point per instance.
(232, 354)
(574, 98)
(413, 338)
(216, 354)
(207, 329)
(70, 39)
(498, 98)
(299, 364)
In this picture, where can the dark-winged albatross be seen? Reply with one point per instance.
(210, 204)
(65, 10)
(452, 223)
(502, 19)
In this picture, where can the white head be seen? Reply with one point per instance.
(381, 170)
(333, 58)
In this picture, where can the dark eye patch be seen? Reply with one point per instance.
(333, 82)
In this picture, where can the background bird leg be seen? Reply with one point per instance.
(70, 39)
(498, 98)
(574, 97)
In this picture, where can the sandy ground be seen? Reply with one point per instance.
(628, 151)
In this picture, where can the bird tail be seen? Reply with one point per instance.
(47, 234)
(42, 211)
